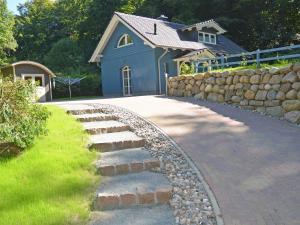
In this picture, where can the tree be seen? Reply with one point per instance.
(64, 57)
(7, 41)
(37, 29)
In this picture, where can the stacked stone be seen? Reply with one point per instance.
(274, 91)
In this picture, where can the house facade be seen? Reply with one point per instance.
(135, 52)
(36, 73)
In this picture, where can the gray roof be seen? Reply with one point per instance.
(167, 32)
(169, 35)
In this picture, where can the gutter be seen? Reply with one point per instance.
(159, 72)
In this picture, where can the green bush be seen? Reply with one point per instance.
(21, 120)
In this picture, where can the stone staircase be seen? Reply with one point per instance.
(132, 189)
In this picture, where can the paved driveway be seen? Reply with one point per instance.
(251, 162)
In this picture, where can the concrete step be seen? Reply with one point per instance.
(81, 109)
(126, 161)
(95, 117)
(156, 215)
(131, 190)
(102, 127)
(115, 141)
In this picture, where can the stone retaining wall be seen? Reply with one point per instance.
(274, 91)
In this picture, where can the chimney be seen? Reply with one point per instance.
(155, 29)
(163, 18)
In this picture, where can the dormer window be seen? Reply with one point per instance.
(207, 38)
(125, 40)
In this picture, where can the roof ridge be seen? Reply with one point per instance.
(149, 18)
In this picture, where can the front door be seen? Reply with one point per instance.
(126, 77)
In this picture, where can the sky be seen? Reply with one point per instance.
(12, 5)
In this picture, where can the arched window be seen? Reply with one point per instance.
(125, 40)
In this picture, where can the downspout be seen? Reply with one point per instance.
(159, 74)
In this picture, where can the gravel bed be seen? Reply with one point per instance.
(190, 202)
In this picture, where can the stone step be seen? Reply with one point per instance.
(155, 215)
(126, 161)
(131, 190)
(102, 127)
(95, 117)
(81, 109)
(115, 141)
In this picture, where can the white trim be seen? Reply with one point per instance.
(33, 76)
(126, 69)
(211, 23)
(126, 41)
(207, 42)
(107, 34)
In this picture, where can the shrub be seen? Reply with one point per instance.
(21, 120)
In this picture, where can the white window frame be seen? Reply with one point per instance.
(33, 76)
(126, 41)
(127, 70)
(210, 35)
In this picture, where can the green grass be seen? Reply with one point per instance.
(52, 181)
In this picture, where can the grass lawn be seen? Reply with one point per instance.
(52, 181)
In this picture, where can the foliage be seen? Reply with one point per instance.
(64, 57)
(20, 119)
(186, 68)
(52, 181)
(7, 41)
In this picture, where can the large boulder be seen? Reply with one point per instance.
(285, 87)
(212, 97)
(275, 79)
(271, 95)
(229, 80)
(269, 103)
(211, 80)
(199, 77)
(254, 87)
(290, 77)
(261, 95)
(255, 79)
(249, 94)
(220, 81)
(296, 67)
(293, 116)
(201, 96)
(236, 99)
(216, 88)
(266, 78)
(275, 111)
(292, 94)
(296, 86)
(291, 105)
(192, 81)
(280, 95)
(236, 79)
(208, 88)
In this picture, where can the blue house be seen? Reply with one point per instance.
(136, 52)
